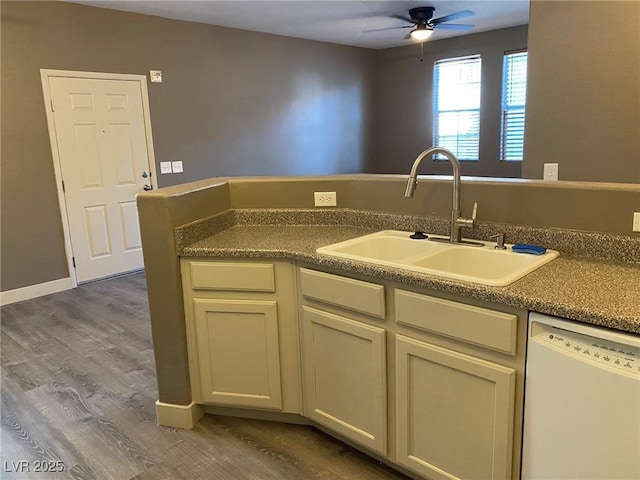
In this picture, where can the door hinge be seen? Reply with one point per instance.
(73, 260)
(52, 107)
(63, 189)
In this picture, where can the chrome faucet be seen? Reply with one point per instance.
(457, 221)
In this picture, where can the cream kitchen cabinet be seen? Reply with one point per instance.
(344, 357)
(429, 382)
(455, 412)
(238, 352)
(242, 334)
(453, 381)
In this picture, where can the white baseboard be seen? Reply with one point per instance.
(179, 416)
(33, 291)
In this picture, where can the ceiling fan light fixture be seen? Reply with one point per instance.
(421, 33)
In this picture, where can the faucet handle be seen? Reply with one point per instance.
(474, 213)
(466, 222)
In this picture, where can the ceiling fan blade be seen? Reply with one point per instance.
(453, 26)
(389, 28)
(400, 17)
(453, 16)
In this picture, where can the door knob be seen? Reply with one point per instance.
(147, 188)
(145, 174)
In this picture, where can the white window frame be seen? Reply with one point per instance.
(466, 149)
(513, 101)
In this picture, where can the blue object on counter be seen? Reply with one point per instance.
(526, 248)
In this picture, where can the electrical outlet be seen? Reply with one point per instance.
(176, 166)
(325, 199)
(550, 171)
(165, 167)
(636, 221)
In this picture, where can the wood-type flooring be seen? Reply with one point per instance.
(79, 391)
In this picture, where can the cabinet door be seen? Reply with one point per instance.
(238, 355)
(454, 413)
(345, 377)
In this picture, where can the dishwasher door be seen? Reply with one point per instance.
(582, 402)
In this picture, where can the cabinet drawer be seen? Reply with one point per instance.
(476, 325)
(248, 277)
(344, 292)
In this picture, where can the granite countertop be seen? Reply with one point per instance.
(600, 292)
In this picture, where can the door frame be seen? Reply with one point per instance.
(45, 75)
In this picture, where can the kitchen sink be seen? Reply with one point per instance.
(483, 265)
(387, 246)
(479, 264)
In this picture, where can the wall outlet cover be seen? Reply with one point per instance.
(550, 171)
(325, 199)
(636, 221)
(177, 166)
(165, 167)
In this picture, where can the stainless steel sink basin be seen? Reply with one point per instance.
(483, 264)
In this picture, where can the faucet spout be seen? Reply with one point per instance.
(412, 183)
(457, 222)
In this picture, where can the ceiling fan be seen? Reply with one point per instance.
(423, 23)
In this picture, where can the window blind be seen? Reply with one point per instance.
(514, 97)
(456, 106)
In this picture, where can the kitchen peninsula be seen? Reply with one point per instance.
(247, 247)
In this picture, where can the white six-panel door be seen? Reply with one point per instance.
(104, 162)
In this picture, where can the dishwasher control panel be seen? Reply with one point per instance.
(604, 352)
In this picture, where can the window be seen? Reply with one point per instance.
(456, 106)
(514, 96)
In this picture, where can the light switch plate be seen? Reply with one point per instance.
(177, 166)
(165, 167)
(636, 221)
(550, 171)
(155, 76)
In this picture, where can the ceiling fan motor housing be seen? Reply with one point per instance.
(421, 14)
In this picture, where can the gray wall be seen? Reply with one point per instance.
(232, 103)
(237, 103)
(403, 115)
(583, 105)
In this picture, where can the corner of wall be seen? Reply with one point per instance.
(160, 212)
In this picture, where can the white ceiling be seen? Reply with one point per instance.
(334, 21)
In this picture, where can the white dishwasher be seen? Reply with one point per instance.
(582, 402)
